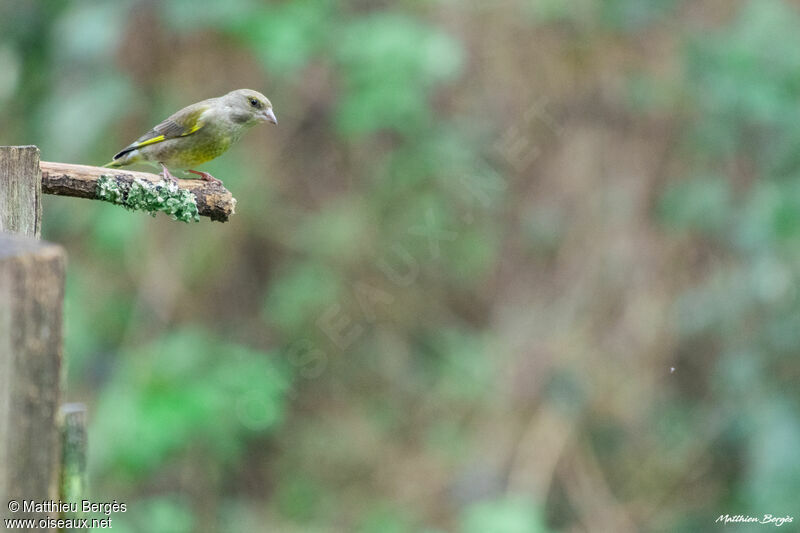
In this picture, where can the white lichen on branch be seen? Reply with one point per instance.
(143, 195)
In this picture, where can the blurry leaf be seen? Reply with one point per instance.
(299, 296)
(441, 153)
(748, 74)
(717, 302)
(196, 15)
(508, 515)
(738, 370)
(773, 478)
(386, 83)
(473, 254)
(770, 218)
(155, 515)
(625, 15)
(87, 333)
(114, 230)
(633, 15)
(299, 499)
(10, 67)
(770, 280)
(88, 32)
(448, 440)
(466, 369)
(188, 390)
(238, 514)
(783, 332)
(558, 10)
(287, 35)
(754, 232)
(697, 204)
(338, 232)
(647, 93)
(78, 114)
(385, 519)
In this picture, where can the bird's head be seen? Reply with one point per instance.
(248, 107)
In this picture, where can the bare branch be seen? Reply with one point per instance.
(81, 181)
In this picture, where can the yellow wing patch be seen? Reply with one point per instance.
(154, 140)
(160, 138)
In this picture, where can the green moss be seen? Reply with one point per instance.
(142, 195)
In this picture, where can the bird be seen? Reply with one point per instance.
(198, 133)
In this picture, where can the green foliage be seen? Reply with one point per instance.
(186, 391)
(142, 195)
(91, 109)
(773, 476)
(621, 15)
(287, 36)
(157, 515)
(300, 295)
(635, 14)
(9, 72)
(507, 515)
(300, 499)
(743, 83)
(462, 364)
(385, 519)
(702, 204)
(339, 233)
(386, 83)
(191, 15)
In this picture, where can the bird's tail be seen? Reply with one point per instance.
(128, 156)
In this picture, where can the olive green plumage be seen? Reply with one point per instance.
(199, 132)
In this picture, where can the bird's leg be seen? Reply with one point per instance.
(166, 175)
(205, 176)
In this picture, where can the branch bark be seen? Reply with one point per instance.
(213, 200)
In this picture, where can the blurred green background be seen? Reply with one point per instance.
(515, 266)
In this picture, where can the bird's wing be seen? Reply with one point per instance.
(185, 122)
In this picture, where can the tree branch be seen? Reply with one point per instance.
(81, 181)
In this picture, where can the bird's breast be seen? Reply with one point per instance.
(195, 149)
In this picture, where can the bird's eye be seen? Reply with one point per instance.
(254, 102)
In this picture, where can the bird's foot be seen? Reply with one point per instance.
(205, 176)
(166, 175)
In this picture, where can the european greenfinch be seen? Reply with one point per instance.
(198, 133)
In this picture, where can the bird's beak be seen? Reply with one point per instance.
(268, 115)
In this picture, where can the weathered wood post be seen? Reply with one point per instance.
(20, 190)
(31, 301)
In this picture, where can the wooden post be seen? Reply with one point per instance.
(20, 190)
(31, 297)
(31, 301)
